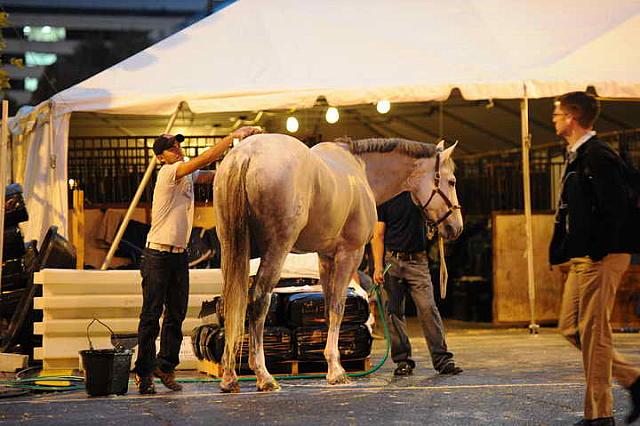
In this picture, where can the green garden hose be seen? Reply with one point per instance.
(376, 290)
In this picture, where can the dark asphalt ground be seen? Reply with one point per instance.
(510, 378)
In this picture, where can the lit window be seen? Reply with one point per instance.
(30, 84)
(33, 59)
(46, 33)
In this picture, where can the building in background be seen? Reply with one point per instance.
(63, 42)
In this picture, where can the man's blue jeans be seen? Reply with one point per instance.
(165, 286)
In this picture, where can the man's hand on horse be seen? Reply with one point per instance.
(244, 132)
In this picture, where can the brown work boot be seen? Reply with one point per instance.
(145, 385)
(168, 379)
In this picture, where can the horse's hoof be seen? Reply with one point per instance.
(232, 387)
(341, 379)
(269, 387)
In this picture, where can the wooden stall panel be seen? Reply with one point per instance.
(510, 291)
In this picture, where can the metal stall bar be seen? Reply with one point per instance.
(138, 194)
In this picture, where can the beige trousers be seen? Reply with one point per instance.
(587, 302)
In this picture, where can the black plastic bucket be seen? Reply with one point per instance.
(106, 371)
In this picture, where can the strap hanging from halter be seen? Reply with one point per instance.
(444, 275)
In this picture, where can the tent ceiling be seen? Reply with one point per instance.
(479, 126)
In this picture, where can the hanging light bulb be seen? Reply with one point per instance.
(332, 115)
(383, 106)
(292, 124)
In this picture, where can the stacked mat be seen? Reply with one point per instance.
(295, 327)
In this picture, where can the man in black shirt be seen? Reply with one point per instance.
(400, 237)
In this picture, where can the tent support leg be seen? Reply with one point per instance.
(4, 136)
(526, 184)
(136, 197)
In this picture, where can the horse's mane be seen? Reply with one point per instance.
(411, 148)
(404, 146)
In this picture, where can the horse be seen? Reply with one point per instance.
(273, 192)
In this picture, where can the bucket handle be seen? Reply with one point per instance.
(89, 338)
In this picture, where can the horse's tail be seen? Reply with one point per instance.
(235, 263)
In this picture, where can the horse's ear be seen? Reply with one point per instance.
(447, 152)
(440, 145)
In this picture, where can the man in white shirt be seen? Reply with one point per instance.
(165, 267)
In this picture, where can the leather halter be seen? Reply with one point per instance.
(431, 225)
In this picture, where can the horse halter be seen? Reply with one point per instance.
(431, 225)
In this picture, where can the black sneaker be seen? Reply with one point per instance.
(450, 368)
(634, 390)
(145, 385)
(403, 369)
(602, 421)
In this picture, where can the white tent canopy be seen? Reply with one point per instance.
(256, 55)
(285, 53)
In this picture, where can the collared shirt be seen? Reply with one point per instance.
(579, 142)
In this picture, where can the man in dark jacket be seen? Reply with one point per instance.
(589, 233)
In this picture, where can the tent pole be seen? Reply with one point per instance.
(4, 135)
(136, 197)
(526, 184)
(441, 120)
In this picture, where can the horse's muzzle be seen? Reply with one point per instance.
(451, 233)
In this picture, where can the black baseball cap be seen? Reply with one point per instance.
(166, 142)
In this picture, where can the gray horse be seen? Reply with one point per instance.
(274, 190)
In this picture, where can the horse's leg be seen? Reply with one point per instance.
(266, 279)
(339, 271)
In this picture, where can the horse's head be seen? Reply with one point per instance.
(433, 187)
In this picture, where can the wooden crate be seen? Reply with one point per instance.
(510, 287)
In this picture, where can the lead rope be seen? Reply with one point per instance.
(444, 275)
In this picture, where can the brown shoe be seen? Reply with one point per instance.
(145, 385)
(168, 379)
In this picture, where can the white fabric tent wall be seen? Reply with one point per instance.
(256, 55)
(44, 175)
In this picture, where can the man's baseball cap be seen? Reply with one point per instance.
(166, 142)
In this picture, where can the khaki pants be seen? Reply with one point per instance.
(587, 302)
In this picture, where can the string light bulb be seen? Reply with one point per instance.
(332, 115)
(292, 124)
(383, 106)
